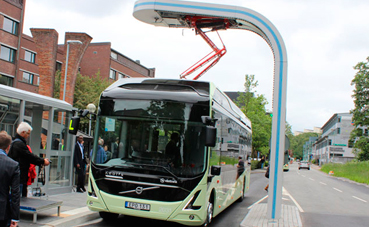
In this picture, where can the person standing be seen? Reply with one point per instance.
(20, 153)
(267, 176)
(9, 178)
(240, 166)
(79, 164)
(262, 161)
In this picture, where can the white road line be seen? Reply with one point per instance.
(284, 191)
(337, 189)
(257, 202)
(311, 179)
(303, 175)
(360, 199)
(323, 183)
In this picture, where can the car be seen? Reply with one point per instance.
(304, 165)
(286, 168)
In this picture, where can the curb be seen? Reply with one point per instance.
(74, 220)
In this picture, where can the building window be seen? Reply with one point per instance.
(113, 74)
(113, 55)
(58, 66)
(10, 26)
(338, 130)
(27, 77)
(29, 56)
(121, 75)
(7, 54)
(5, 80)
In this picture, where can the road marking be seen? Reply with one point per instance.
(311, 179)
(303, 175)
(360, 199)
(337, 189)
(284, 191)
(323, 183)
(257, 202)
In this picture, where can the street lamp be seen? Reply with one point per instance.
(64, 88)
(91, 109)
(66, 64)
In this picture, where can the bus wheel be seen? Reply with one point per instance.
(209, 215)
(108, 216)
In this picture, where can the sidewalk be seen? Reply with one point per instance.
(257, 216)
(73, 212)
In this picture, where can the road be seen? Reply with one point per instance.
(231, 217)
(322, 200)
(327, 201)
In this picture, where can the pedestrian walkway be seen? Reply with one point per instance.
(257, 217)
(290, 213)
(73, 212)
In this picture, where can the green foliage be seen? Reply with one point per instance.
(254, 108)
(255, 164)
(297, 143)
(360, 114)
(356, 171)
(88, 90)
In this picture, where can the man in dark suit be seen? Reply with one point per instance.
(9, 178)
(79, 164)
(20, 153)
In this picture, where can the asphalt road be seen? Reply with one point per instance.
(231, 217)
(327, 201)
(322, 200)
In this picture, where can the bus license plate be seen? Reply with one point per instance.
(137, 206)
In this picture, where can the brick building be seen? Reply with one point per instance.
(29, 63)
(27, 74)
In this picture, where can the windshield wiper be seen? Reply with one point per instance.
(163, 167)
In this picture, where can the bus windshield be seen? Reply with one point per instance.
(151, 135)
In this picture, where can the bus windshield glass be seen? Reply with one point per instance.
(162, 136)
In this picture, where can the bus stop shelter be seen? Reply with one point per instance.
(49, 137)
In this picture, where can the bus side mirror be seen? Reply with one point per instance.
(211, 136)
(74, 125)
(215, 170)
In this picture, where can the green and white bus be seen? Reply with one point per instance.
(163, 156)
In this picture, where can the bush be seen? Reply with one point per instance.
(255, 164)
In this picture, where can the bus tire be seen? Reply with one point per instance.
(209, 214)
(108, 216)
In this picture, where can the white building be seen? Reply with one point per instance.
(333, 144)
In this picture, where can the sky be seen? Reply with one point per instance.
(324, 41)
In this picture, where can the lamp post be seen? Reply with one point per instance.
(64, 88)
(91, 109)
(66, 65)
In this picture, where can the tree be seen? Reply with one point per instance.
(88, 90)
(360, 114)
(254, 108)
(297, 143)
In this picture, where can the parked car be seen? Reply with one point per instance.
(286, 168)
(304, 165)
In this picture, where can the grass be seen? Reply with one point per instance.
(356, 171)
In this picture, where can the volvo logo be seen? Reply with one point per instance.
(139, 190)
(172, 181)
